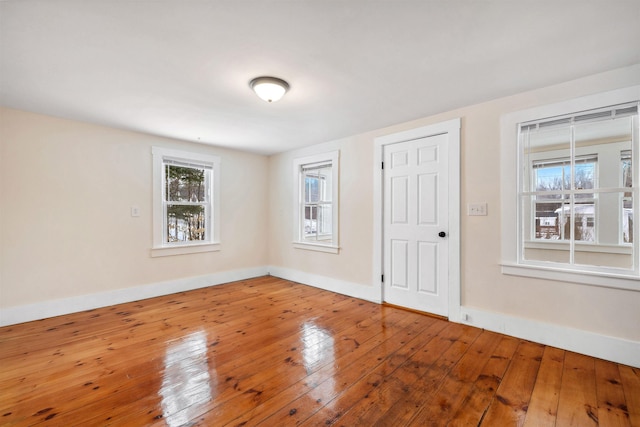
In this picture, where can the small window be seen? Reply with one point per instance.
(316, 207)
(185, 202)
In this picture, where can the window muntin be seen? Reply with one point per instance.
(575, 205)
(316, 206)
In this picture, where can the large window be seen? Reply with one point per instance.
(576, 190)
(572, 194)
(316, 207)
(185, 202)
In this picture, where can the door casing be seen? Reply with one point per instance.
(452, 129)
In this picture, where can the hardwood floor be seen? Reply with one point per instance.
(275, 353)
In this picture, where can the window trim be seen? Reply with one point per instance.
(332, 157)
(162, 248)
(511, 256)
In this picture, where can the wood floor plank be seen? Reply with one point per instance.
(612, 406)
(486, 384)
(267, 352)
(509, 408)
(453, 391)
(630, 378)
(578, 404)
(543, 407)
(437, 363)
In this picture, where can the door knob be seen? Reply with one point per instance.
(442, 234)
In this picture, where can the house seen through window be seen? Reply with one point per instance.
(552, 180)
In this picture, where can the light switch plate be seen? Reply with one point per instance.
(135, 211)
(477, 209)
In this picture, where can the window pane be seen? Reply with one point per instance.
(185, 184)
(584, 222)
(627, 171)
(551, 176)
(311, 188)
(325, 175)
(185, 223)
(558, 253)
(546, 158)
(627, 220)
(543, 235)
(324, 220)
(609, 249)
(548, 224)
(585, 175)
(310, 221)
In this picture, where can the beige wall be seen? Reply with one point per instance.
(353, 264)
(595, 309)
(66, 190)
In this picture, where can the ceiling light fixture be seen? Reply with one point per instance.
(270, 89)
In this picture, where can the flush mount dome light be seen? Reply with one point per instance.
(270, 89)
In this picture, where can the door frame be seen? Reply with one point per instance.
(452, 129)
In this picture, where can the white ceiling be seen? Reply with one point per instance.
(181, 68)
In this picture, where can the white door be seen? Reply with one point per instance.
(415, 224)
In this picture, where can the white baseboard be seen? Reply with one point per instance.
(602, 346)
(355, 290)
(606, 347)
(58, 307)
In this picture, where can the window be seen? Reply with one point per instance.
(316, 207)
(574, 190)
(552, 183)
(185, 202)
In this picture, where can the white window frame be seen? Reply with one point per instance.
(333, 158)
(212, 243)
(511, 260)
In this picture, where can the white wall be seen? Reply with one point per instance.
(597, 310)
(66, 189)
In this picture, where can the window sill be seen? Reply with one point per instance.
(614, 280)
(184, 250)
(318, 247)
